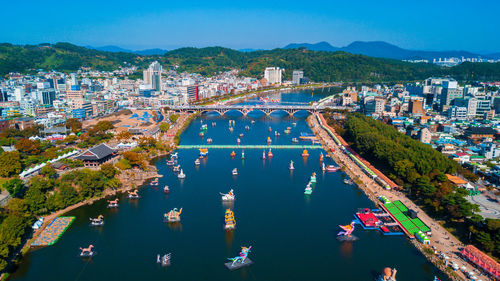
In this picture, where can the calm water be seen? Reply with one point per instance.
(292, 236)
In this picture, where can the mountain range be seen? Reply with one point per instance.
(116, 49)
(382, 49)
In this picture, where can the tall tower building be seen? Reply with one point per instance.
(152, 76)
(273, 75)
(296, 76)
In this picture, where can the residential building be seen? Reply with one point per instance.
(297, 76)
(457, 113)
(425, 135)
(273, 75)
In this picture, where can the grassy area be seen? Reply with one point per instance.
(2, 181)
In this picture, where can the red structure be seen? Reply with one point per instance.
(482, 260)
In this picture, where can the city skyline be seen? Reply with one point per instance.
(256, 25)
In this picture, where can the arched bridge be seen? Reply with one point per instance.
(245, 109)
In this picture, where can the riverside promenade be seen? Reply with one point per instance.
(441, 239)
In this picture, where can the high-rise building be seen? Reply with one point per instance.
(273, 75)
(297, 76)
(152, 76)
(425, 135)
(450, 92)
(46, 96)
(3, 96)
(415, 107)
(74, 81)
(192, 92)
(457, 113)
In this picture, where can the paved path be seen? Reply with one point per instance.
(441, 239)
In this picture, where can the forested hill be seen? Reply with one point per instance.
(317, 65)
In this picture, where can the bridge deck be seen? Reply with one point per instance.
(255, 146)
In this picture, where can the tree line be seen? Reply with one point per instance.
(421, 171)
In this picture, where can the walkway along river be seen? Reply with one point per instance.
(292, 236)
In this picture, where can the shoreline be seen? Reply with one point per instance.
(125, 177)
(353, 171)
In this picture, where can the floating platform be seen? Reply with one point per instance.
(238, 265)
(343, 238)
(53, 232)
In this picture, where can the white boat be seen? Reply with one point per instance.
(332, 168)
(197, 162)
(228, 196)
(174, 156)
(264, 154)
(181, 175)
(291, 167)
(235, 172)
(323, 168)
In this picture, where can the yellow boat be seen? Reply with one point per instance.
(305, 153)
(229, 219)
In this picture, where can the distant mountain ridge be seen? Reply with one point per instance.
(116, 49)
(381, 49)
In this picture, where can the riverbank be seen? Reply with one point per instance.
(442, 240)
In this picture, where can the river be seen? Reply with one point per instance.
(292, 236)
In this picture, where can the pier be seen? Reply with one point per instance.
(231, 146)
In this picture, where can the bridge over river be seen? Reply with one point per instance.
(244, 109)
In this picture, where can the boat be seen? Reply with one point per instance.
(264, 155)
(197, 162)
(203, 152)
(176, 168)
(133, 195)
(276, 133)
(113, 203)
(231, 129)
(295, 140)
(348, 181)
(287, 132)
(38, 223)
(321, 157)
(233, 154)
(313, 178)
(228, 196)
(209, 140)
(181, 175)
(252, 122)
(97, 221)
(166, 189)
(247, 127)
(294, 124)
(154, 182)
(235, 172)
(332, 168)
(87, 252)
(165, 260)
(323, 168)
(270, 130)
(214, 124)
(305, 153)
(202, 134)
(238, 141)
(241, 135)
(308, 189)
(269, 140)
(174, 156)
(270, 154)
(307, 136)
(242, 154)
(170, 162)
(229, 220)
(291, 167)
(173, 216)
(204, 127)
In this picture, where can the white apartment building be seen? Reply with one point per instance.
(273, 75)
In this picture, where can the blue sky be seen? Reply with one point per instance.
(424, 24)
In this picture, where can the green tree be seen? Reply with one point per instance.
(66, 196)
(108, 170)
(164, 126)
(15, 187)
(10, 164)
(104, 126)
(35, 199)
(48, 171)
